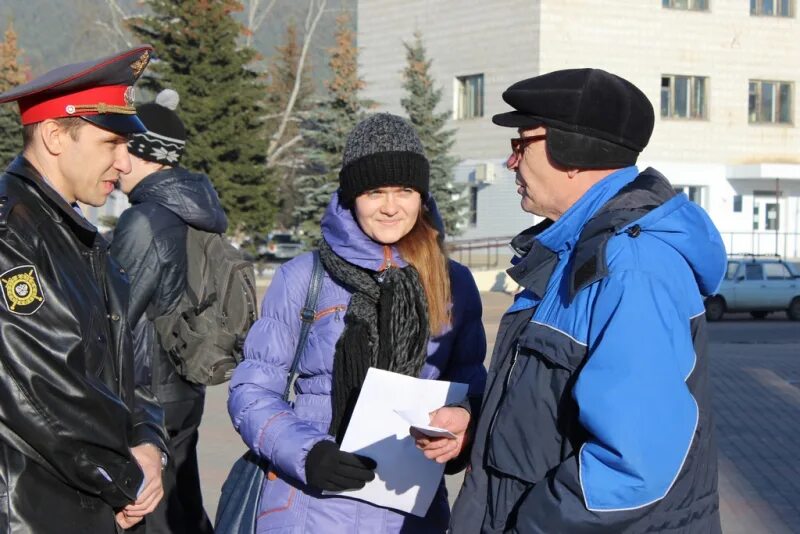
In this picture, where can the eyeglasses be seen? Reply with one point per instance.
(518, 146)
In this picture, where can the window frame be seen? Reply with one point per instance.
(691, 95)
(476, 109)
(755, 102)
(691, 5)
(757, 8)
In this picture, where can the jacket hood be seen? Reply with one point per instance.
(342, 232)
(188, 195)
(650, 205)
(687, 228)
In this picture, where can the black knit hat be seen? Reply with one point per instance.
(594, 119)
(165, 138)
(382, 150)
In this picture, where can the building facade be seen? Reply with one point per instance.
(722, 76)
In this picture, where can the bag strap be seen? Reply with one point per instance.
(307, 315)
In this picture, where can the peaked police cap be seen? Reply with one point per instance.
(99, 91)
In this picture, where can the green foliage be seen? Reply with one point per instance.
(420, 104)
(221, 101)
(12, 73)
(325, 131)
(10, 135)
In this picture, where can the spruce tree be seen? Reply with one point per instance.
(222, 101)
(12, 73)
(420, 104)
(281, 74)
(325, 131)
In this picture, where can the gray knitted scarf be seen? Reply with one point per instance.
(386, 326)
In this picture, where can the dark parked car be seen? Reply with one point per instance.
(759, 285)
(280, 246)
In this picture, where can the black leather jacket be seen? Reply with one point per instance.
(69, 409)
(150, 242)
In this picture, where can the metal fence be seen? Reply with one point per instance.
(480, 253)
(486, 253)
(784, 244)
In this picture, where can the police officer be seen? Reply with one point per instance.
(82, 447)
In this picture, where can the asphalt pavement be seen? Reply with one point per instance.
(755, 373)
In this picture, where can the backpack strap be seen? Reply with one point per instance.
(307, 315)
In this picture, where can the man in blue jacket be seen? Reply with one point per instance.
(596, 416)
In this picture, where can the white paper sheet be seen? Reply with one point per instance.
(418, 420)
(405, 480)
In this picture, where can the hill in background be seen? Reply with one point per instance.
(55, 32)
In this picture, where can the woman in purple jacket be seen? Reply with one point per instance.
(390, 299)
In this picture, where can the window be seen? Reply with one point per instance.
(733, 266)
(769, 102)
(772, 8)
(753, 271)
(756, 215)
(473, 206)
(696, 193)
(469, 93)
(773, 221)
(737, 203)
(696, 5)
(776, 271)
(683, 97)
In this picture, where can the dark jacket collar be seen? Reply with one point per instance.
(54, 203)
(649, 190)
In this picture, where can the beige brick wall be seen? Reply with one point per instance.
(508, 40)
(463, 37)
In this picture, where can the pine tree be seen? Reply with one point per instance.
(12, 73)
(420, 104)
(222, 101)
(281, 78)
(325, 131)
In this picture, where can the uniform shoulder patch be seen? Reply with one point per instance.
(22, 290)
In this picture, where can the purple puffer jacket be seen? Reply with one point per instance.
(284, 434)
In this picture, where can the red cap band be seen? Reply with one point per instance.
(87, 102)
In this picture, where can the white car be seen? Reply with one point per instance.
(759, 285)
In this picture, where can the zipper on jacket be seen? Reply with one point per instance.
(505, 389)
(328, 311)
(387, 263)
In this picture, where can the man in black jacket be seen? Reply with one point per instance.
(150, 242)
(82, 446)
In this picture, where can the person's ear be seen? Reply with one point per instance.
(52, 135)
(572, 173)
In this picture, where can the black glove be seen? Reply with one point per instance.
(328, 468)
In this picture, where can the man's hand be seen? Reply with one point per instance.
(149, 458)
(454, 419)
(126, 522)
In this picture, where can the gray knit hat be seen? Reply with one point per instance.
(382, 150)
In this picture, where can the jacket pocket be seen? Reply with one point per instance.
(536, 414)
(282, 507)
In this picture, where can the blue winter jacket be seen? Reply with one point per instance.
(284, 434)
(596, 416)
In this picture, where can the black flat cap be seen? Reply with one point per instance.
(99, 91)
(594, 119)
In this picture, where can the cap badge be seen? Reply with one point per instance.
(130, 96)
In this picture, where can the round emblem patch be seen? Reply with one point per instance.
(21, 290)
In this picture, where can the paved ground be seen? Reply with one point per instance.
(755, 367)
